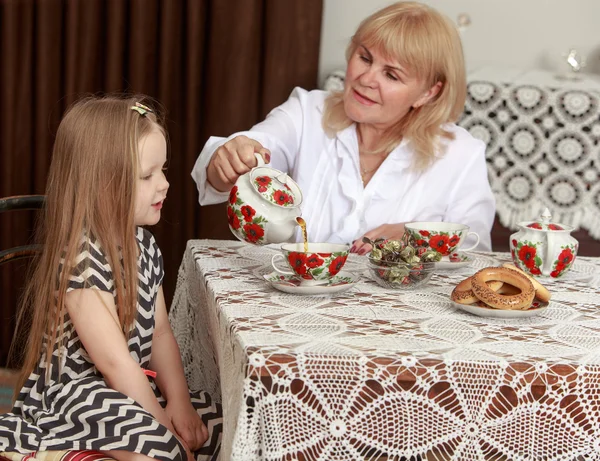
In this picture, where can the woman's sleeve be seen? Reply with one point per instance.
(280, 132)
(473, 202)
(91, 270)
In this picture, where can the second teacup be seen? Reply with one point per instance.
(443, 237)
(322, 261)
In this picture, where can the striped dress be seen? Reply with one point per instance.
(74, 409)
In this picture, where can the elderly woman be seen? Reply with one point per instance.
(383, 152)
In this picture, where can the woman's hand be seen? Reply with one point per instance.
(388, 231)
(233, 159)
(188, 425)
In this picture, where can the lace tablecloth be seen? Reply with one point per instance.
(373, 373)
(542, 135)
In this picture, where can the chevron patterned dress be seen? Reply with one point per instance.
(74, 409)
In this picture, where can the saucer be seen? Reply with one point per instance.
(290, 284)
(536, 308)
(456, 260)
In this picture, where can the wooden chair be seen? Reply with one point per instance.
(20, 202)
(35, 202)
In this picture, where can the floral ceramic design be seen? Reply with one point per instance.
(243, 220)
(543, 248)
(444, 243)
(565, 260)
(544, 226)
(316, 266)
(273, 191)
(260, 213)
(525, 255)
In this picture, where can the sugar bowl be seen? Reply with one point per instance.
(543, 248)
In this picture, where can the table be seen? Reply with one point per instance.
(372, 373)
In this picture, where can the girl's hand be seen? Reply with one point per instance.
(388, 231)
(188, 425)
(233, 159)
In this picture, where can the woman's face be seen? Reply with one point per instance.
(380, 92)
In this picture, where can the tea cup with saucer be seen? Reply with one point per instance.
(444, 237)
(317, 266)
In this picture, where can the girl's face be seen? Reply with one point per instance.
(151, 185)
(380, 92)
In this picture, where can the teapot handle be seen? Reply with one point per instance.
(260, 161)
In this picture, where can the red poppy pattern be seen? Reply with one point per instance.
(316, 266)
(564, 261)
(253, 230)
(535, 225)
(248, 212)
(262, 183)
(525, 255)
(282, 198)
(233, 195)
(277, 194)
(232, 218)
(442, 242)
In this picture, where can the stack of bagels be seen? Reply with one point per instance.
(506, 287)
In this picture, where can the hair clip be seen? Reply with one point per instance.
(141, 109)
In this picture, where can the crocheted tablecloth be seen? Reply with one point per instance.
(370, 372)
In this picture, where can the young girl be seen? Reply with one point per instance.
(101, 354)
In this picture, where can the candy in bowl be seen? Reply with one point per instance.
(263, 206)
(396, 264)
(543, 248)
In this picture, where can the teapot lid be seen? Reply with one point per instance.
(544, 222)
(276, 187)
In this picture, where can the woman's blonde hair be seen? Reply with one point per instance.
(90, 192)
(427, 44)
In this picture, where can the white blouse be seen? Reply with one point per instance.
(336, 205)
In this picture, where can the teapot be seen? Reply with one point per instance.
(543, 248)
(263, 205)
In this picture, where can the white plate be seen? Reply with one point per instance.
(456, 260)
(341, 282)
(536, 309)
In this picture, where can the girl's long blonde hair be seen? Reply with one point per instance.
(90, 191)
(427, 43)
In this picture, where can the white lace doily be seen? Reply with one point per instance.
(372, 373)
(542, 150)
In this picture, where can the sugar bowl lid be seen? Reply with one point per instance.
(276, 187)
(544, 223)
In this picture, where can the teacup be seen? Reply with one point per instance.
(443, 237)
(317, 266)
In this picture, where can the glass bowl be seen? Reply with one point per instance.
(400, 275)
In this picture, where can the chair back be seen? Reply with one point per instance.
(14, 231)
(20, 202)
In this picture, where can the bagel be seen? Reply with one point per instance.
(541, 292)
(520, 301)
(463, 294)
